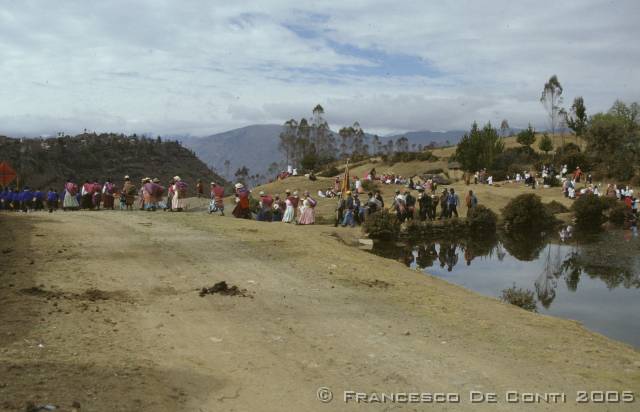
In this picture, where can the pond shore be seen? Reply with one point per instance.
(102, 308)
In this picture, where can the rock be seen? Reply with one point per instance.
(407, 333)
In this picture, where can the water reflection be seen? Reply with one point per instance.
(595, 280)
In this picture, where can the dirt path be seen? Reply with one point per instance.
(103, 309)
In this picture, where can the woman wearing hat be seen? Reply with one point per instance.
(307, 210)
(179, 200)
(129, 193)
(242, 209)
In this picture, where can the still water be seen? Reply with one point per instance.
(595, 281)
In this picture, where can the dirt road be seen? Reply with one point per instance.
(101, 310)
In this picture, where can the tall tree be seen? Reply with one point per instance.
(402, 144)
(389, 147)
(288, 139)
(358, 146)
(551, 99)
(274, 168)
(479, 148)
(303, 144)
(614, 139)
(504, 128)
(346, 134)
(377, 145)
(577, 119)
(242, 174)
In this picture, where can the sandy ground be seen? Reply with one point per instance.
(101, 310)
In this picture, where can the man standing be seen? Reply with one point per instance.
(411, 204)
(453, 202)
(400, 204)
(424, 201)
(52, 200)
(444, 204)
(471, 201)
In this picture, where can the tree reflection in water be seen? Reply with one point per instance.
(610, 257)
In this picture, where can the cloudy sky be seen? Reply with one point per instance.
(199, 67)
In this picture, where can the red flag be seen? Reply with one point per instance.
(7, 174)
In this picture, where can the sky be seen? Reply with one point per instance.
(197, 67)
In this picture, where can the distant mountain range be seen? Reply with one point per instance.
(256, 146)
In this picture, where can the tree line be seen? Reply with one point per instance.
(612, 139)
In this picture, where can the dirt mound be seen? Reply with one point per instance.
(222, 288)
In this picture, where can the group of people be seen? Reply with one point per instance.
(93, 195)
(448, 200)
(290, 208)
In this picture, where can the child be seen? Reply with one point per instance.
(52, 200)
(123, 201)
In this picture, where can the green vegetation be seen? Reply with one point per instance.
(482, 220)
(589, 211)
(613, 140)
(49, 162)
(555, 207)
(527, 137)
(479, 148)
(526, 213)
(382, 225)
(519, 297)
(546, 144)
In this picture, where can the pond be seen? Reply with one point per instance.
(594, 280)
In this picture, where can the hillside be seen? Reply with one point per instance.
(254, 146)
(47, 163)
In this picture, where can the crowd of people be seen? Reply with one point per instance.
(93, 195)
(429, 203)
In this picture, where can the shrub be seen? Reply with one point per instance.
(618, 213)
(519, 297)
(382, 225)
(589, 211)
(481, 219)
(526, 212)
(554, 207)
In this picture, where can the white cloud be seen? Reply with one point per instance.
(200, 67)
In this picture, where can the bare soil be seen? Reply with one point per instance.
(99, 311)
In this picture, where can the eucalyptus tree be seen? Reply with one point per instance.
(551, 100)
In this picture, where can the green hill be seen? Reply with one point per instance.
(49, 162)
